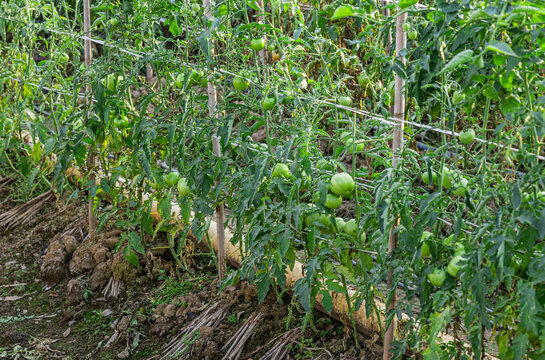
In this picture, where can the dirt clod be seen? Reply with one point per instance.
(122, 271)
(74, 292)
(100, 253)
(82, 259)
(70, 244)
(169, 311)
(53, 269)
(100, 276)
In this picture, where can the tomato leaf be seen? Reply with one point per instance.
(458, 59)
(335, 286)
(135, 243)
(490, 92)
(130, 256)
(302, 291)
(343, 11)
(327, 300)
(509, 105)
(263, 289)
(500, 47)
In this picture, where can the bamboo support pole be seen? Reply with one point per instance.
(397, 147)
(220, 215)
(261, 19)
(88, 55)
(212, 109)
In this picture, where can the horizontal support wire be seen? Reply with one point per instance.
(385, 120)
(358, 180)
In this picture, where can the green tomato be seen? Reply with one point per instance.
(268, 103)
(447, 178)
(180, 81)
(257, 44)
(156, 186)
(413, 34)
(121, 122)
(62, 58)
(406, 26)
(342, 184)
(460, 187)
(458, 97)
(172, 178)
(222, 10)
(437, 277)
(467, 136)
(426, 177)
(351, 228)
(363, 79)
(339, 222)
(345, 101)
(459, 249)
(281, 170)
(360, 146)
(333, 201)
(454, 266)
(271, 47)
(240, 84)
(195, 77)
(346, 138)
(114, 21)
(425, 250)
(183, 189)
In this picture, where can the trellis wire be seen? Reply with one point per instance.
(385, 120)
(359, 180)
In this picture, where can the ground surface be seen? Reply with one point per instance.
(58, 300)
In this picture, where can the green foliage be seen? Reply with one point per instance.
(473, 65)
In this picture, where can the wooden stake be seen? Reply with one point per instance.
(220, 214)
(260, 19)
(88, 57)
(212, 107)
(397, 147)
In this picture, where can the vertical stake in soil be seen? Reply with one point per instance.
(397, 147)
(88, 57)
(260, 19)
(220, 214)
(212, 104)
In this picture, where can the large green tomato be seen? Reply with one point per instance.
(180, 80)
(425, 248)
(333, 201)
(268, 103)
(240, 83)
(426, 177)
(172, 178)
(342, 184)
(340, 224)
(345, 101)
(454, 266)
(437, 277)
(447, 178)
(459, 249)
(121, 122)
(460, 187)
(183, 189)
(467, 136)
(351, 228)
(258, 44)
(281, 170)
(363, 79)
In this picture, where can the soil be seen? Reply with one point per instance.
(65, 296)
